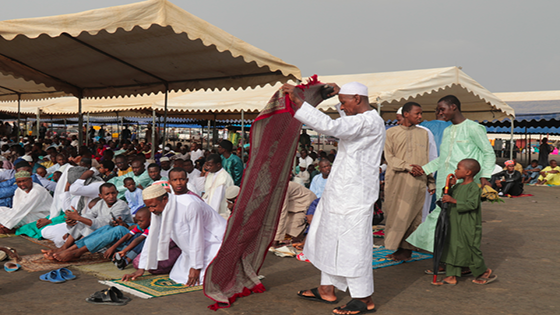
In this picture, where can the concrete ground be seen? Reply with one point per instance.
(520, 243)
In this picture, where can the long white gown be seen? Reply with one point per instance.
(27, 207)
(340, 239)
(194, 226)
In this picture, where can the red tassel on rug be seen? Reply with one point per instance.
(259, 288)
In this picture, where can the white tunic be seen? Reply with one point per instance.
(27, 207)
(340, 239)
(197, 230)
(215, 191)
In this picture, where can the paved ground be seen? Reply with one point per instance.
(520, 243)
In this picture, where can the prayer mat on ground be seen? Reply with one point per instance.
(379, 260)
(38, 262)
(522, 195)
(148, 287)
(105, 271)
(45, 243)
(252, 226)
(378, 231)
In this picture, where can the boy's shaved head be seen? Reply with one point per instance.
(144, 211)
(471, 165)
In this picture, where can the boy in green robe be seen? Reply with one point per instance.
(462, 246)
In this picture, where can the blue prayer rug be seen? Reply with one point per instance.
(379, 260)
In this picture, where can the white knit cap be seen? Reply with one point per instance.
(27, 158)
(153, 191)
(302, 163)
(164, 159)
(354, 88)
(232, 192)
(399, 111)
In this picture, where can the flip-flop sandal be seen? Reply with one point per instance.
(107, 297)
(52, 276)
(117, 292)
(431, 272)
(488, 280)
(66, 274)
(355, 306)
(11, 252)
(443, 283)
(11, 267)
(315, 297)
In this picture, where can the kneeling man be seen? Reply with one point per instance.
(188, 221)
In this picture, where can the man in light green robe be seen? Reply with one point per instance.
(139, 174)
(465, 139)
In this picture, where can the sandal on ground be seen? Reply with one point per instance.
(443, 282)
(490, 279)
(53, 276)
(11, 252)
(107, 297)
(66, 274)
(315, 297)
(11, 267)
(431, 272)
(355, 306)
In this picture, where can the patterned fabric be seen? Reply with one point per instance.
(253, 222)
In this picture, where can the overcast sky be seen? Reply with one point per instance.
(507, 45)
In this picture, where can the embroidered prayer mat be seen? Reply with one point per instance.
(378, 231)
(379, 260)
(45, 243)
(522, 195)
(38, 262)
(148, 287)
(251, 228)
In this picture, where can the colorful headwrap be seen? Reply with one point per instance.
(509, 162)
(23, 174)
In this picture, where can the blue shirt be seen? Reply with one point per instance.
(318, 185)
(436, 127)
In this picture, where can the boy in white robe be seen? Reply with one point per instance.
(217, 181)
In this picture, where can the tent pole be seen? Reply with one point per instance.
(87, 130)
(242, 136)
(153, 133)
(526, 147)
(80, 120)
(18, 115)
(165, 115)
(378, 100)
(208, 137)
(38, 123)
(511, 140)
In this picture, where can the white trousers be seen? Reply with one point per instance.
(55, 233)
(359, 287)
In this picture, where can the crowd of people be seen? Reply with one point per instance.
(98, 197)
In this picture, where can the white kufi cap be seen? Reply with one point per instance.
(153, 191)
(354, 88)
(399, 111)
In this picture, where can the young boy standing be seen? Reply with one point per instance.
(462, 246)
(133, 195)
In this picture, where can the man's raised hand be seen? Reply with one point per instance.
(291, 91)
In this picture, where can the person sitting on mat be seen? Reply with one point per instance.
(462, 246)
(508, 181)
(550, 175)
(531, 173)
(134, 241)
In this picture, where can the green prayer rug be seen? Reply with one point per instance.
(148, 287)
(379, 260)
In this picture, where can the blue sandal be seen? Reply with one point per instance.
(66, 274)
(53, 276)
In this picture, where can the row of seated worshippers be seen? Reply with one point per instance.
(87, 214)
(510, 180)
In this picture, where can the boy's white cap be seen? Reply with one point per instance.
(354, 88)
(399, 111)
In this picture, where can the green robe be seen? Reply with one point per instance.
(144, 180)
(467, 140)
(31, 229)
(462, 245)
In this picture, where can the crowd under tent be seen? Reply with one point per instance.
(135, 49)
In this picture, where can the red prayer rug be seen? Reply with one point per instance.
(522, 195)
(252, 226)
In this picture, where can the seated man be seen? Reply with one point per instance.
(8, 187)
(41, 173)
(293, 220)
(508, 181)
(320, 180)
(550, 175)
(215, 185)
(531, 172)
(107, 210)
(196, 228)
(31, 202)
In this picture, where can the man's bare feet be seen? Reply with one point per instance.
(48, 254)
(326, 293)
(355, 307)
(485, 278)
(65, 255)
(400, 255)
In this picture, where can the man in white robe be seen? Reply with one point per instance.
(215, 185)
(195, 183)
(31, 202)
(196, 228)
(340, 241)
